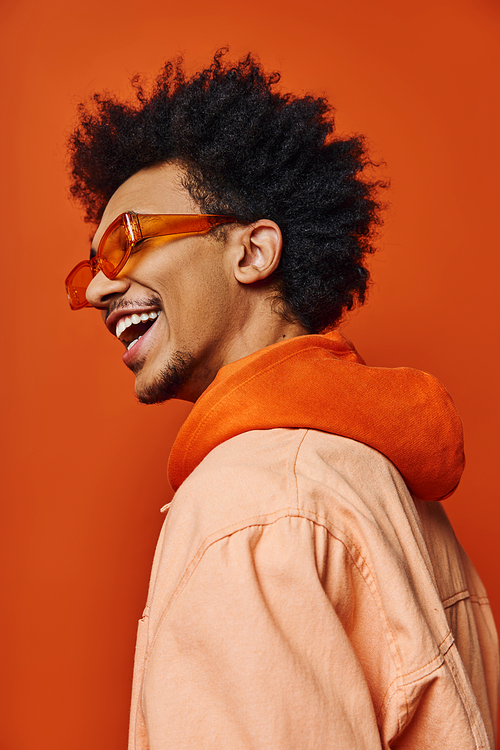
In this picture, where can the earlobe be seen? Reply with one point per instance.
(260, 251)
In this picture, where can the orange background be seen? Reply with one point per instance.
(83, 463)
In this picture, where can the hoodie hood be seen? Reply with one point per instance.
(320, 382)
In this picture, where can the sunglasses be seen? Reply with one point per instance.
(125, 236)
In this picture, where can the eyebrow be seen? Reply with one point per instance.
(93, 253)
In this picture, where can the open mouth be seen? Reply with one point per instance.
(130, 328)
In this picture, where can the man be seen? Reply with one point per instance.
(307, 589)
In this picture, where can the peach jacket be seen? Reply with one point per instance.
(300, 597)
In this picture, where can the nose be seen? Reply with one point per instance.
(101, 290)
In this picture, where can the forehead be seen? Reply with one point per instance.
(155, 190)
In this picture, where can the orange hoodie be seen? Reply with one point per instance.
(321, 382)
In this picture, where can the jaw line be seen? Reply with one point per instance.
(169, 382)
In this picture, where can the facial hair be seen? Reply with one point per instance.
(170, 380)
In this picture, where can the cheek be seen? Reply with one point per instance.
(188, 275)
(197, 304)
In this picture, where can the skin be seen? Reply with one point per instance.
(214, 296)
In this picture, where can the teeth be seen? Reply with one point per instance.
(129, 346)
(133, 319)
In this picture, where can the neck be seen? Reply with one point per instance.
(258, 327)
(248, 334)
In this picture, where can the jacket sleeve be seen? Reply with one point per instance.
(251, 654)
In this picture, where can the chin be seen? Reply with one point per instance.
(169, 383)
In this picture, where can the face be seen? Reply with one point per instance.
(171, 304)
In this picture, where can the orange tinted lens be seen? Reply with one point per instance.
(112, 249)
(76, 285)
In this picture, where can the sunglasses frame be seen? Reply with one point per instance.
(168, 225)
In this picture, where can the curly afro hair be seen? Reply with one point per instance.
(251, 152)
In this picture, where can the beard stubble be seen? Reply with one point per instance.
(173, 377)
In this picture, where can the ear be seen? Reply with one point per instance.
(259, 251)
